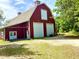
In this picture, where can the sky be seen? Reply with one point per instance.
(12, 7)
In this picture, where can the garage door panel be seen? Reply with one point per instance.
(38, 30)
(50, 29)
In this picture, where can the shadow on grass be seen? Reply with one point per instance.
(15, 49)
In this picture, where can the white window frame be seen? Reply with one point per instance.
(44, 14)
(12, 31)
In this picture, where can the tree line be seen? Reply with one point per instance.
(67, 18)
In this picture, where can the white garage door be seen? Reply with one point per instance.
(50, 29)
(38, 30)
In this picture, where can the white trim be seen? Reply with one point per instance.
(28, 31)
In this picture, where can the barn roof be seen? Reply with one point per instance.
(22, 17)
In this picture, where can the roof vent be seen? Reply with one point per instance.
(37, 2)
(19, 13)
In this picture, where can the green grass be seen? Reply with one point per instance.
(15, 51)
(3, 42)
(71, 33)
(74, 33)
(39, 50)
(46, 51)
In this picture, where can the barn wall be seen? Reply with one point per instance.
(20, 28)
(36, 17)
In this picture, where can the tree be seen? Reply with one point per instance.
(68, 12)
(2, 18)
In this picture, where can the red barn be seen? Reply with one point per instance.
(35, 23)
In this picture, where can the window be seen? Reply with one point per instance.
(43, 14)
(13, 34)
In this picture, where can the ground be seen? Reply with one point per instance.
(46, 48)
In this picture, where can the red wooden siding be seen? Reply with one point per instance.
(36, 17)
(20, 28)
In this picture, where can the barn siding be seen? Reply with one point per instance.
(36, 17)
(20, 28)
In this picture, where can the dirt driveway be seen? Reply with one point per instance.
(52, 41)
(59, 42)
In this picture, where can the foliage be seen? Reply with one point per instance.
(2, 18)
(6, 22)
(68, 14)
(76, 27)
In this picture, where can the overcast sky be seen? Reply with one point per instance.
(11, 7)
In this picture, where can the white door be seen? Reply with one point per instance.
(38, 30)
(50, 29)
(12, 35)
(28, 34)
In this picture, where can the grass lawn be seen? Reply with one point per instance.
(71, 33)
(30, 49)
(3, 42)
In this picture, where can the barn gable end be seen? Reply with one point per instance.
(36, 18)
